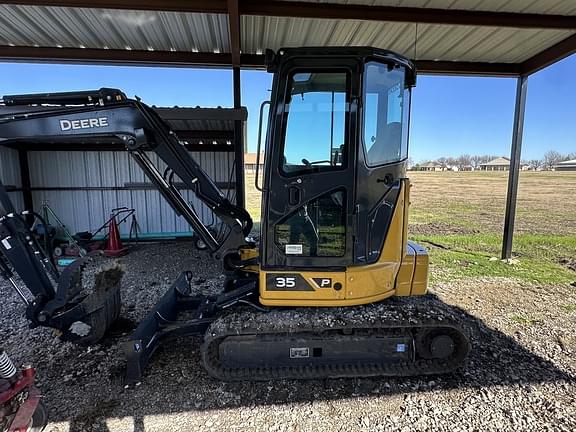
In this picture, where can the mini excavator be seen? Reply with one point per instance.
(311, 298)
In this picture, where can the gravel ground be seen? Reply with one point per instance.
(520, 376)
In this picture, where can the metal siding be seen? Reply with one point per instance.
(112, 29)
(434, 42)
(87, 210)
(10, 174)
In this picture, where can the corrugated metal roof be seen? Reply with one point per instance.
(433, 41)
(49, 26)
(113, 29)
(560, 7)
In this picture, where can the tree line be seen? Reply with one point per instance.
(548, 161)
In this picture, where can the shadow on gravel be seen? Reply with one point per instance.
(175, 382)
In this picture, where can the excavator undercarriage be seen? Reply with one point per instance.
(333, 287)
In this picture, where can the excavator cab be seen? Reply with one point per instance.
(335, 192)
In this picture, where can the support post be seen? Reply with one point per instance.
(514, 173)
(26, 182)
(238, 141)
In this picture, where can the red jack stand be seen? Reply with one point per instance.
(114, 247)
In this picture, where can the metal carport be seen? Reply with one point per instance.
(467, 37)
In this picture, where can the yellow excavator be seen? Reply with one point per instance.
(312, 296)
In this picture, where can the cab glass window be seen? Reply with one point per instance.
(316, 112)
(386, 104)
(318, 228)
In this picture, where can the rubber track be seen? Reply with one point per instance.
(221, 330)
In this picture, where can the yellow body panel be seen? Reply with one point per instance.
(402, 269)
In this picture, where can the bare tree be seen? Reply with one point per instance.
(475, 161)
(535, 164)
(463, 161)
(551, 158)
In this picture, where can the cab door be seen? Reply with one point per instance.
(308, 203)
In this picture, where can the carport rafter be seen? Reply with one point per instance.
(298, 9)
(234, 30)
(187, 59)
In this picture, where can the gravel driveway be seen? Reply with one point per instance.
(521, 374)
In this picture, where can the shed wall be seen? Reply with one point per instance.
(83, 187)
(10, 174)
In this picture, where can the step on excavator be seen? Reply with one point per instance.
(332, 288)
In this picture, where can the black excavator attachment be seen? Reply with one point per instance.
(60, 300)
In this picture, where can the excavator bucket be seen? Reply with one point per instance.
(61, 300)
(86, 320)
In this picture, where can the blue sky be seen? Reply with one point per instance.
(450, 115)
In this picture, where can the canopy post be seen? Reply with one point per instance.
(514, 173)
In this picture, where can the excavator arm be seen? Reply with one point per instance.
(107, 114)
(60, 301)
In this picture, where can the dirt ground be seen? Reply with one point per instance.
(521, 373)
(520, 376)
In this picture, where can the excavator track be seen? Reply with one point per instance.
(398, 337)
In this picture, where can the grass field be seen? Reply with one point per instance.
(459, 217)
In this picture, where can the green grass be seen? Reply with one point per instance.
(472, 255)
(523, 320)
(468, 210)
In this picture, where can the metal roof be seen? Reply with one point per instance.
(500, 161)
(562, 7)
(417, 41)
(470, 36)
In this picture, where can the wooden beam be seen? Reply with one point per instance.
(198, 6)
(549, 56)
(234, 30)
(298, 9)
(125, 57)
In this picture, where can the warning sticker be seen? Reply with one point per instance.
(6, 243)
(299, 352)
(293, 249)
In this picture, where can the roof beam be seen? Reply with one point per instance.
(125, 57)
(467, 68)
(187, 59)
(234, 30)
(549, 56)
(298, 9)
(205, 134)
(199, 6)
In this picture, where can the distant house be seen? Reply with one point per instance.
(498, 164)
(250, 162)
(431, 166)
(569, 165)
(467, 168)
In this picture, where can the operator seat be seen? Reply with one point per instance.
(387, 146)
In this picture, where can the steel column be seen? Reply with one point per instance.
(238, 141)
(26, 182)
(519, 110)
